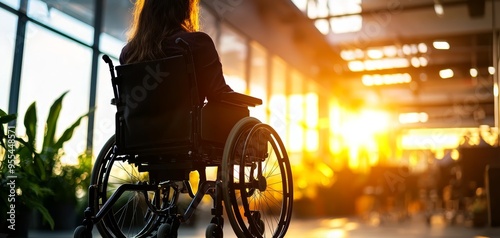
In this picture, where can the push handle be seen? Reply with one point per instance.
(110, 64)
(113, 77)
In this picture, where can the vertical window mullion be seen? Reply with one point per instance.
(98, 21)
(18, 60)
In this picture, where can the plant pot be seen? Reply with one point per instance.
(64, 215)
(17, 223)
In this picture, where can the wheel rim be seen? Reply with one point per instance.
(258, 183)
(130, 216)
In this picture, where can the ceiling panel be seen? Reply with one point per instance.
(409, 22)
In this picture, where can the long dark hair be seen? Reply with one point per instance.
(153, 21)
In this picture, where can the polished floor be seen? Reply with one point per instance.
(414, 227)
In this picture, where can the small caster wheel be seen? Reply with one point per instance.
(259, 228)
(218, 220)
(82, 232)
(164, 231)
(214, 231)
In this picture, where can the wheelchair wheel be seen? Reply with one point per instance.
(256, 181)
(131, 215)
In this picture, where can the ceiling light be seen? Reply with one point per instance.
(438, 8)
(367, 80)
(323, 26)
(446, 73)
(424, 117)
(375, 53)
(473, 72)
(423, 61)
(385, 79)
(414, 49)
(406, 49)
(390, 51)
(406, 78)
(347, 55)
(415, 62)
(351, 23)
(359, 53)
(491, 70)
(441, 45)
(413, 117)
(422, 48)
(397, 63)
(356, 66)
(386, 63)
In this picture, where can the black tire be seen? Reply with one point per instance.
(256, 181)
(164, 231)
(131, 216)
(82, 232)
(213, 231)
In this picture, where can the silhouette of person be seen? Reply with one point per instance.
(156, 26)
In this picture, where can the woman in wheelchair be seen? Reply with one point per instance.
(166, 129)
(156, 27)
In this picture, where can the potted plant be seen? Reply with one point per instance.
(62, 179)
(46, 178)
(20, 191)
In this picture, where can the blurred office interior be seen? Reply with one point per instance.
(388, 108)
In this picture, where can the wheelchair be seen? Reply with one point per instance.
(140, 181)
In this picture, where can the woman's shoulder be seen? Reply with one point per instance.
(124, 54)
(194, 36)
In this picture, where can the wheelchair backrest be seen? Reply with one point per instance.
(156, 106)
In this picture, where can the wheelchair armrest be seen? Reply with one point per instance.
(239, 99)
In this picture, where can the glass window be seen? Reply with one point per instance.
(233, 53)
(70, 17)
(117, 18)
(311, 116)
(7, 41)
(344, 24)
(47, 73)
(277, 101)
(296, 112)
(13, 3)
(258, 79)
(111, 45)
(208, 23)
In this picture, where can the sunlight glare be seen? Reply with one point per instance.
(333, 233)
(359, 130)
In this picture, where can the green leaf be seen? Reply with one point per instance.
(4, 119)
(30, 121)
(51, 125)
(29, 157)
(7, 118)
(68, 133)
(25, 144)
(45, 213)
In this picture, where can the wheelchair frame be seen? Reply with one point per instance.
(241, 155)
